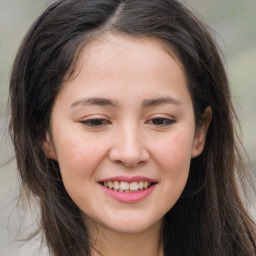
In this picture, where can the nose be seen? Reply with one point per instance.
(129, 148)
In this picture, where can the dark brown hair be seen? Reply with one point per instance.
(209, 218)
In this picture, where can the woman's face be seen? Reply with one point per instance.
(124, 134)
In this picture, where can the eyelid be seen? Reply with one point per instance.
(166, 116)
(170, 120)
(88, 121)
(94, 119)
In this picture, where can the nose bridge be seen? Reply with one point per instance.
(129, 146)
(131, 139)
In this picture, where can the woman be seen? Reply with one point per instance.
(123, 129)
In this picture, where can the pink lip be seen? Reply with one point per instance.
(129, 179)
(128, 197)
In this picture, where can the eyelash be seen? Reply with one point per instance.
(99, 122)
(96, 122)
(163, 120)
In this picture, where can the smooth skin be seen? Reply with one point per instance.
(127, 112)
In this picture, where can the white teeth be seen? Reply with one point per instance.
(145, 184)
(116, 185)
(134, 185)
(127, 187)
(140, 185)
(110, 184)
(124, 185)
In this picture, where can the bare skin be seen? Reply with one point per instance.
(127, 113)
(146, 243)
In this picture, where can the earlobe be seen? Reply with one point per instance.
(201, 131)
(48, 148)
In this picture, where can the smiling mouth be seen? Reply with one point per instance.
(128, 187)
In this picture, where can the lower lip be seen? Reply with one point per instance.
(129, 197)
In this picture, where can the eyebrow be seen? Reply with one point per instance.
(107, 102)
(94, 101)
(160, 101)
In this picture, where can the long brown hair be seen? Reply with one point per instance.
(209, 218)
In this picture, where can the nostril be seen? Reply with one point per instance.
(129, 163)
(119, 162)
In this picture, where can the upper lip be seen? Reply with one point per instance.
(128, 179)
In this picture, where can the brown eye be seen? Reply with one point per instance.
(161, 121)
(95, 122)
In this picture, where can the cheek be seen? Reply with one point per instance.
(174, 155)
(78, 158)
(77, 155)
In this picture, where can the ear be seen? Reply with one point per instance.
(48, 148)
(201, 131)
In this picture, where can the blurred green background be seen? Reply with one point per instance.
(233, 22)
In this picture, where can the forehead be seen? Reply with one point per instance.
(122, 66)
(101, 50)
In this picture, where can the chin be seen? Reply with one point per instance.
(132, 225)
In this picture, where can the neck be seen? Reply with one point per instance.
(107, 242)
